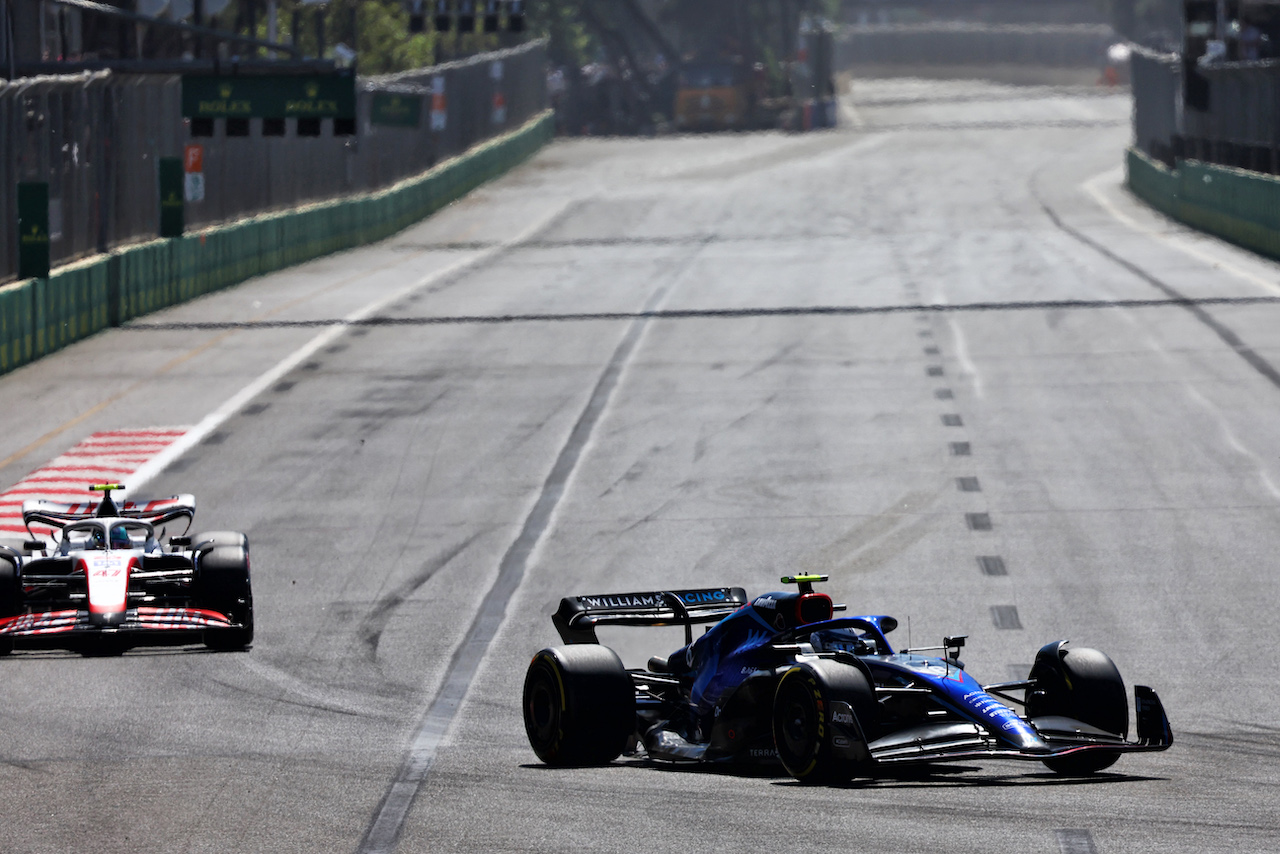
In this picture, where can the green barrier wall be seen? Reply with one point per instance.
(39, 316)
(1235, 204)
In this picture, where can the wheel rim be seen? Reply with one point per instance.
(797, 723)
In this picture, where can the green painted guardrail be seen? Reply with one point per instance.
(1234, 204)
(39, 316)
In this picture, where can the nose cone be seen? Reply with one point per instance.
(1024, 738)
(105, 620)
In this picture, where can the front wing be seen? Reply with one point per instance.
(140, 620)
(1063, 737)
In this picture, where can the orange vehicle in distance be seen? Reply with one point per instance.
(712, 96)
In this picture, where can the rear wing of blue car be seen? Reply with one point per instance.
(578, 616)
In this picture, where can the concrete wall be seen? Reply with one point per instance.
(1234, 204)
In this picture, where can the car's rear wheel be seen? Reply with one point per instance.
(219, 538)
(1083, 684)
(812, 744)
(223, 585)
(579, 705)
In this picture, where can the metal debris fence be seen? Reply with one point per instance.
(1059, 46)
(1227, 114)
(96, 139)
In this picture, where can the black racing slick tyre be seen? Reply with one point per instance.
(822, 712)
(10, 597)
(223, 585)
(579, 705)
(1083, 684)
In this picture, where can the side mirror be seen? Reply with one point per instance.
(180, 541)
(34, 545)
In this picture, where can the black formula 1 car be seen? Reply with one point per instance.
(108, 583)
(778, 678)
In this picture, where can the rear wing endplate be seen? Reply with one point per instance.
(578, 616)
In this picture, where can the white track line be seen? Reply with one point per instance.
(1179, 242)
(240, 399)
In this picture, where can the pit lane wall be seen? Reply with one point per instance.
(1235, 204)
(40, 316)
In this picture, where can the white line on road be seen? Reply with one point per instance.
(967, 365)
(1178, 242)
(240, 399)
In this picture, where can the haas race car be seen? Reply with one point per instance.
(107, 582)
(777, 679)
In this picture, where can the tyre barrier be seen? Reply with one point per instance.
(1235, 204)
(40, 316)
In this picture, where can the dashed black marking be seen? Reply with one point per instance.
(256, 408)
(934, 370)
(931, 351)
(1005, 617)
(925, 333)
(960, 449)
(952, 420)
(215, 438)
(978, 521)
(968, 484)
(992, 565)
(943, 394)
(282, 387)
(1073, 841)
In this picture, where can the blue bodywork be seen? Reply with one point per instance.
(780, 678)
(743, 644)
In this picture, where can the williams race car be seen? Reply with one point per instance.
(778, 679)
(108, 583)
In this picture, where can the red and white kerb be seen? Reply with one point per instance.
(104, 457)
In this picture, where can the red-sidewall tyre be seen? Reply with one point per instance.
(579, 705)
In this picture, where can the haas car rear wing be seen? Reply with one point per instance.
(157, 511)
(578, 616)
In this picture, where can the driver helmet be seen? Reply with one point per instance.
(120, 538)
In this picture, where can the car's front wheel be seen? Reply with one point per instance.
(223, 585)
(1085, 685)
(821, 713)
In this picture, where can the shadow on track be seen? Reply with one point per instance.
(921, 777)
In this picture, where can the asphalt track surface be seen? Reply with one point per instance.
(941, 333)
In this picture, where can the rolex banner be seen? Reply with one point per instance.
(33, 230)
(271, 97)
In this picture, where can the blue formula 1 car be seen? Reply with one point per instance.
(777, 679)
